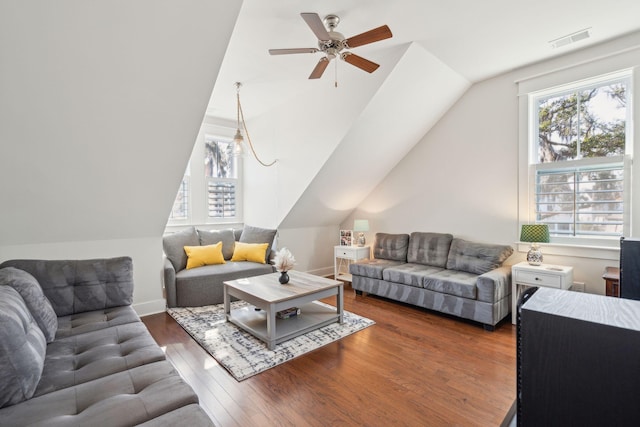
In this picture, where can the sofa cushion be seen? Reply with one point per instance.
(391, 246)
(85, 357)
(372, 268)
(475, 257)
(203, 286)
(197, 256)
(452, 282)
(409, 273)
(258, 235)
(35, 300)
(82, 285)
(173, 245)
(22, 349)
(429, 248)
(126, 398)
(90, 321)
(211, 237)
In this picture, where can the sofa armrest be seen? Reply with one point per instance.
(494, 285)
(170, 283)
(77, 286)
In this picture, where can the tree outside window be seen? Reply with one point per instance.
(581, 137)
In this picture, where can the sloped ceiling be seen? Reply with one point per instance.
(100, 105)
(335, 144)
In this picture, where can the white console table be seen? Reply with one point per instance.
(524, 275)
(343, 256)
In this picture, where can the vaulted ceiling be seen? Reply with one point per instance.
(335, 144)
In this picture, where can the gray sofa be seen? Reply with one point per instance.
(73, 352)
(439, 272)
(200, 286)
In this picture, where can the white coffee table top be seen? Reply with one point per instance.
(267, 287)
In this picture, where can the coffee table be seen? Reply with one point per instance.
(266, 293)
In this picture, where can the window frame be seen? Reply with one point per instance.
(198, 188)
(601, 69)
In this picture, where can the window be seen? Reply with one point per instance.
(211, 190)
(579, 140)
(221, 177)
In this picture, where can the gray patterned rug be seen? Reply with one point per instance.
(241, 353)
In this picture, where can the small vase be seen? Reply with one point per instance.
(284, 278)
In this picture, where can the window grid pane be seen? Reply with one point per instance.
(581, 201)
(221, 199)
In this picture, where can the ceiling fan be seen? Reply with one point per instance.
(334, 44)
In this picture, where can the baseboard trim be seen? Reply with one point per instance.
(150, 307)
(324, 272)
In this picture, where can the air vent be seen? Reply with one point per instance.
(571, 38)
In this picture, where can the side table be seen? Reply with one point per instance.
(343, 256)
(524, 275)
(611, 278)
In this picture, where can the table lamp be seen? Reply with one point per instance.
(361, 225)
(534, 233)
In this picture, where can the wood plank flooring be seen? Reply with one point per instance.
(413, 368)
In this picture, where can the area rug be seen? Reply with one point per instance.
(241, 353)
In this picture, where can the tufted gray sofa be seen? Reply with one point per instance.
(73, 352)
(439, 272)
(204, 285)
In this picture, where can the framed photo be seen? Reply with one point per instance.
(346, 237)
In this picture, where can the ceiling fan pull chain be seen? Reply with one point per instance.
(336, 79)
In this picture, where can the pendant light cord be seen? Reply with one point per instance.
(244, 126)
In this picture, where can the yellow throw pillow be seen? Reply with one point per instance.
(197, 256)
(255, 252)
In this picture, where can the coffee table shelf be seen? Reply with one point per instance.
(312, 316)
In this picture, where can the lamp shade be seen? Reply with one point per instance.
(535, 233)
(361, 225)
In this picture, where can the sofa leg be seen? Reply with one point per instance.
(489, 328)
(358, 292)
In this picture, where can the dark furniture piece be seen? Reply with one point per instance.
(578, 360)
(630, 268)
(611, 278)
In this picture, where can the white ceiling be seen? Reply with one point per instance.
(477, 39)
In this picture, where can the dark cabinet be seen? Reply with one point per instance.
(578, 360)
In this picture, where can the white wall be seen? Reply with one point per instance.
(462, 177)
(100, 105)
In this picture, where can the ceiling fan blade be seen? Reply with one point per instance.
(315, 23)
(360, 62)
(295, 50)
(319, 69)
(370, 36)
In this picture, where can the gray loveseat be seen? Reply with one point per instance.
(203, 285)
(439, 272)
(73, 352)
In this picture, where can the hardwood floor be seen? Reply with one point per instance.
(413, 368)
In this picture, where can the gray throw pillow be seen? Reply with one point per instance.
(258, 235)
(22, 349)
(429, 248)
(174, 244)
(476, 258)
(37, 303)
(211, 237)
(391, 246)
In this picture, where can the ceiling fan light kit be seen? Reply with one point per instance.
(333, 44)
